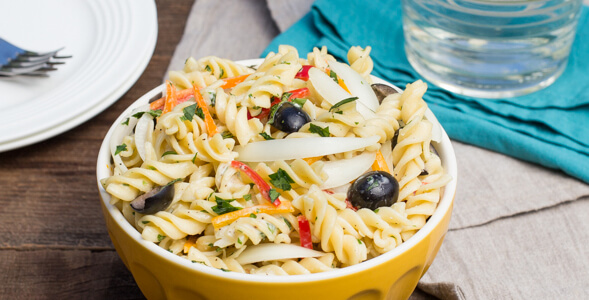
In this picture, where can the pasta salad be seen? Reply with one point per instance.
(294, 166)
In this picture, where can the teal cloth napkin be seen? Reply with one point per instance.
(549, 127)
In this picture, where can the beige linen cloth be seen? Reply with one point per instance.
(518, 231)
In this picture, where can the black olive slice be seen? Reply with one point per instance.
(155, 200)
(382, 90)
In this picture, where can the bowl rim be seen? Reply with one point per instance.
(444, 149)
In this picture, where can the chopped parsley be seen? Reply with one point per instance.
(266, 136)
(287, 223)
(208, 68)
(145, 222)
(299, 101)
(347, 100)
(126, 122)
(247, 197)
(190, 111)
(333, 76)
(252, 215)
(169, 153)
(273, 195)
(227, 135)
(281, 180)
(222, 73)
(194, 158)
(154, 113)
(121, 148)
(224, 206)
(271, 227)
(213, 98)
(152, 168)
(324, 132)
(160, 237)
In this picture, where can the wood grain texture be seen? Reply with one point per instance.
(54, 243)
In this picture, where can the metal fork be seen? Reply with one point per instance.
(17, 61)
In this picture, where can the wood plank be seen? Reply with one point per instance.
(58, 274)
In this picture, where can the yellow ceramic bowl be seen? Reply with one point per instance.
(163, 275)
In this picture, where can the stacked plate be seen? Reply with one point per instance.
(111, 42)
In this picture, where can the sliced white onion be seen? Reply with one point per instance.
(122, 131)
(436, 128)
(326, 87)
(343, 171)
(356, 84)
(285, 149)
(268, 252)
(141, 131)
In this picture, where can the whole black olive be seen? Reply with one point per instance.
(382, 90)
(289, 118)
(373, 190)
(155, 200)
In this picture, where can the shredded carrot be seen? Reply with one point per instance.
(343, 85)
(228, 218)
(170, 100)
(340, 81)
(233, 81)
(380, 164)
(311, 160)
(181, 96)
(190, 242)
(211, 127)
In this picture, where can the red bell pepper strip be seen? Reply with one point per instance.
(305, 232)
(303, 74)
(264, 187)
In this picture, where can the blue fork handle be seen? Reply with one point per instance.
(8, 52)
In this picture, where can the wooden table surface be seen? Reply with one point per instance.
(54, 243)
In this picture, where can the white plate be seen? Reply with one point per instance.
(111, 42)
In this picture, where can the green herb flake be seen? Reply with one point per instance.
(239, 241)
(247, 197)
(254, 216)
(125, 184)
(287, 223)
(222, 73)
(273, 195)
(271, 227)
(160, 237)
(299, 101)
(225, 270)
(169, 153)
(152, 168)
(324, 132)
(121, 148)
(213, 98)
(145, 222)
(333, 76)
(285, 96)
(154, 113)
(188, 112)
(208, 68)
(360, 241)
(281, 180)
(266, 136)
(376, 210)
(194, 157)
(227, 135)
(273, 110)
(224, 206)
(345, 101)
(126, 122)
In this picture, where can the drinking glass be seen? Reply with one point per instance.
(490, 48)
